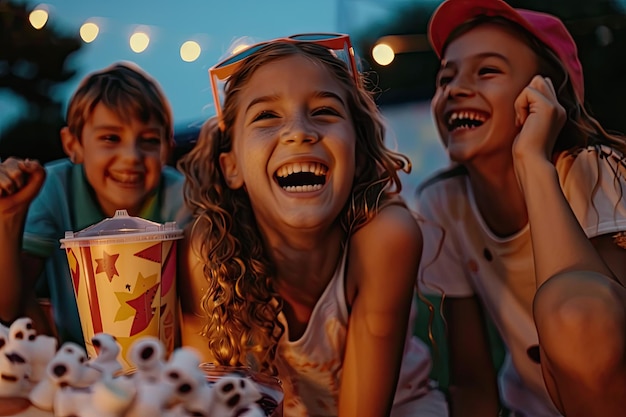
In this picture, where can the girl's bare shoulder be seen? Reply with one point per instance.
(392, 228)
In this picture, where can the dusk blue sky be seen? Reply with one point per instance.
(213, 24)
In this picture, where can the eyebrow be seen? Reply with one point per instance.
(447, 64)
(318, 94)
(121, 127)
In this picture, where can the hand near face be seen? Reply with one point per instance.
(540, 117)
(20, 182)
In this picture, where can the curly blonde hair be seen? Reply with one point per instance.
(241, 305)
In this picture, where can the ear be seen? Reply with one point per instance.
(228, 163)
(71, 145)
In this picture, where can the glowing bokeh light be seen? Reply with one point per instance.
(190, 51)
(38, 18)
(89, 32)
(383, 54)
(139, 41)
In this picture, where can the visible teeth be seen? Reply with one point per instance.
(303, 188)
(466, 115)
(126, 178)
(312, 167)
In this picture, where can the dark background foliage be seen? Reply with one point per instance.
(32, 63)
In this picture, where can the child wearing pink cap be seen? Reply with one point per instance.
(527, 225)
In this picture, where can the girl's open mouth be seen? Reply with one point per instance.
(301, 177)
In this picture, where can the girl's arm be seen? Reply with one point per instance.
(580, 296)
(473, 387)
(559, 243)
(383, 262)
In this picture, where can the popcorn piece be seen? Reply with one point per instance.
(22, 329)
(15, 372)
(199, 404)
(40, 352)
(148, 356)
(154, 394)
(37, 350)
(114, 394)
(67, 368)
(183, 372)
(107, 349)
(152, 399)
(233, 394)
(108, 397)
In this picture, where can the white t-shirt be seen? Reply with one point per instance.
(462, 258)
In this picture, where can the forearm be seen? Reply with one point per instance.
(370, 378)
(559, 243)
(11, 228)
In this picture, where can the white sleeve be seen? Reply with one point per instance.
(442, 270)
(594, 183)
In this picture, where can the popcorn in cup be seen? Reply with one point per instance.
(124, 274)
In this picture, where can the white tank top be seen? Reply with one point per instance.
(310, 367)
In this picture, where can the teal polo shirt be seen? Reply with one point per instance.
(66, 203)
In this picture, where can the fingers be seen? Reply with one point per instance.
(544, 86)
(11, 176)
(539, 92)
(16, 174)
(551, 86)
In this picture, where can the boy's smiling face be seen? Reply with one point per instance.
(122, 159)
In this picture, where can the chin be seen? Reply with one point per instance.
(459, 156)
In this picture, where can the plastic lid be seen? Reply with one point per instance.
(123, 228)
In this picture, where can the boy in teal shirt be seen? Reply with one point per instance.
(118, 138)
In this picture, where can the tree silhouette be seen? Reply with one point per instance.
(598, 27)
(32, 63)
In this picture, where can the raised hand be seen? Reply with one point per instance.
(20, 181)
(540, 117)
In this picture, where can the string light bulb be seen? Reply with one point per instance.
(38, 17)
(139, 41)
(89, 32)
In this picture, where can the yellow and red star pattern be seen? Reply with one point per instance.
(107, 265)
(138, 303)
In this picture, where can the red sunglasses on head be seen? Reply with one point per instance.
(225, 68)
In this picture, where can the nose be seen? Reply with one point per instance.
(299, 130)
(459, 86)
(131, 150)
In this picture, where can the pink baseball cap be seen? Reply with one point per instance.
(547, 28)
